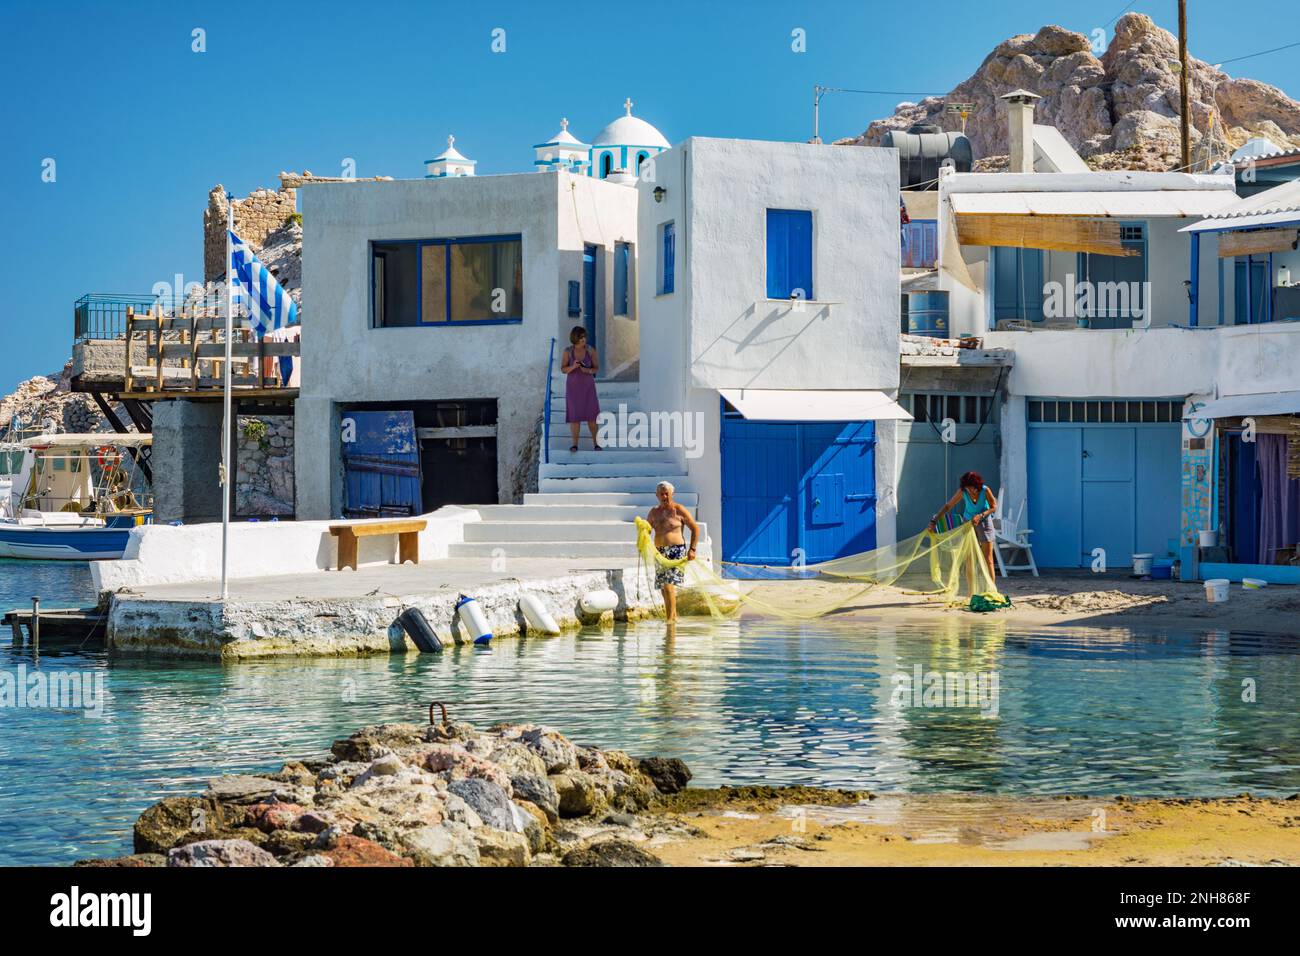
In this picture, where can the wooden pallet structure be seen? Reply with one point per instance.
(183, 353)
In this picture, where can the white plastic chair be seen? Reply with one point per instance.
(1009, 536)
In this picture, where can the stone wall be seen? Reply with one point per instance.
(256, 216)
(264, 466)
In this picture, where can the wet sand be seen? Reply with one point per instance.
(800, 827)
(1082, 599)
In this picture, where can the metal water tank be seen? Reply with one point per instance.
(923, 148)
(927, 313)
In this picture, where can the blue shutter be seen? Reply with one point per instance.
(621, 265)
(670, 249)
(789, 253)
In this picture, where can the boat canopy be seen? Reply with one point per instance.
(89, 440)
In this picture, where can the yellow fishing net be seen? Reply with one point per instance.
(948, 565)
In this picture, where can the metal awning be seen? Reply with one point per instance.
(809, 405)
(1260, 403)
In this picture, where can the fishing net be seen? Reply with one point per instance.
(947, 565)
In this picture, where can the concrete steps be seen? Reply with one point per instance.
(586, 500)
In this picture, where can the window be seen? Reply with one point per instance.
(667, 258)
(641, 158)
(1104, 411)
(789, 254)
(1117, 282)
(447, 281)
(622, 267)
(606, 165)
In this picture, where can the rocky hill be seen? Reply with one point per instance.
(1120, 110)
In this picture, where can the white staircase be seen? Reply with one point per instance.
(586, 499)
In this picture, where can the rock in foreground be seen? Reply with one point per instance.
(407, 795)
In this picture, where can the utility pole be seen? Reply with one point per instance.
(1184, 86)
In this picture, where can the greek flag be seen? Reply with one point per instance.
(269, 306)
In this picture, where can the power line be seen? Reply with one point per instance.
(1250, 56)
(1121, 13)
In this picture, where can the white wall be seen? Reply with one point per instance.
(346, 361)
(718, 330)
(167, 554)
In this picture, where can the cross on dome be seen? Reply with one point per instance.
(627, 105)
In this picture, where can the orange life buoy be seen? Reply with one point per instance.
(107, 456)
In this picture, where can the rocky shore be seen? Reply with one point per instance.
(442, 795)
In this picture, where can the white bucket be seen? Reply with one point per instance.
(1209, 539)
(1253, 584)
(1216, 590)
(1142, 564)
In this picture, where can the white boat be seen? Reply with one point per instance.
(71, 497)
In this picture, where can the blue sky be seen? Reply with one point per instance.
(141, 127)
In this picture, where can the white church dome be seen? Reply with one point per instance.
(629, 130)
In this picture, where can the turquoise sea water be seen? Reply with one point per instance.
(1077, 711)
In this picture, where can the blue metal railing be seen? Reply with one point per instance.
(546, 412)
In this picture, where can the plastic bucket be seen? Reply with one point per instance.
(1253, 584)
(1216, 590)
(1142, 564)
(1162, 569)
(1209, 539)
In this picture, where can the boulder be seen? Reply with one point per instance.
(389, 765)
(536, 825)
(176, 820)
(242, 788)
(370, 743)
(220, 853)
(611, 853)
(133, 860)
(273, 816)
(349, 850)
(449, 844)
(516, 758)
(501, 848)
(488, 800)
(455, 808)
(314, 859)
(454, 762)
(668, 774)
(557, 753)
(578, 794)
(537, 790)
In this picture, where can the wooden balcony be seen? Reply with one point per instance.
(182, 355)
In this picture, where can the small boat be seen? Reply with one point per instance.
(71, 497)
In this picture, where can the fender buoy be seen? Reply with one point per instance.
(473, 619)
(598, 602)
(418, 630)
(535, 613)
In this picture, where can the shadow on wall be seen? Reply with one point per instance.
(757, 337)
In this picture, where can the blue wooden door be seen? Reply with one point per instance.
(797, 488)
(381, 464)
(1115, 487)
(589, 293)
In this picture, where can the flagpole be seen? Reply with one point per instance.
(225, 421)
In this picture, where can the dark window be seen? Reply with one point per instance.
(667, 258)
(441, 281)
(622, 269)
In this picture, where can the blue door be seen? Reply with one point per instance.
(589, 293)
(381, 464)
(1109, 486)
(791, 487)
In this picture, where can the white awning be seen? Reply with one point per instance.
(1261, 403)
(1127, 205)
(807, 405)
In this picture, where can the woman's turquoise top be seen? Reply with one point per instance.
(969, 509)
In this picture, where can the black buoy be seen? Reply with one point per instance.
(419, 631)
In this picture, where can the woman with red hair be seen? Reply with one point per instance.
(973, 502)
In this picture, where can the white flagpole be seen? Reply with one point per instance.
(226, 422)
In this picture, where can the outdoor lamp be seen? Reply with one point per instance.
(659, 193)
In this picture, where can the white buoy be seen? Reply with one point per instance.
(598, 602)
(473, 619)
(535, 613)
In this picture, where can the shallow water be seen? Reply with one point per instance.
(1077, 710)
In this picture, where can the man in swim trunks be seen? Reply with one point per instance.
(667, 519)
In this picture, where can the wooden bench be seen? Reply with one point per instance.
(408, 539)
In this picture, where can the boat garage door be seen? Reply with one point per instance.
(1103, 474)
(792, 488)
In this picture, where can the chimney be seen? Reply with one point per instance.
(1020, 129)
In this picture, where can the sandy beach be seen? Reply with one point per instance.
(1077, 599)
(804, 827)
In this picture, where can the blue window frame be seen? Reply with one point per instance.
(622, 267)
(462, 281)
(789, 254)
(667, 258)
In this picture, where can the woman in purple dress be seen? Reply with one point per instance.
(580, 365)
